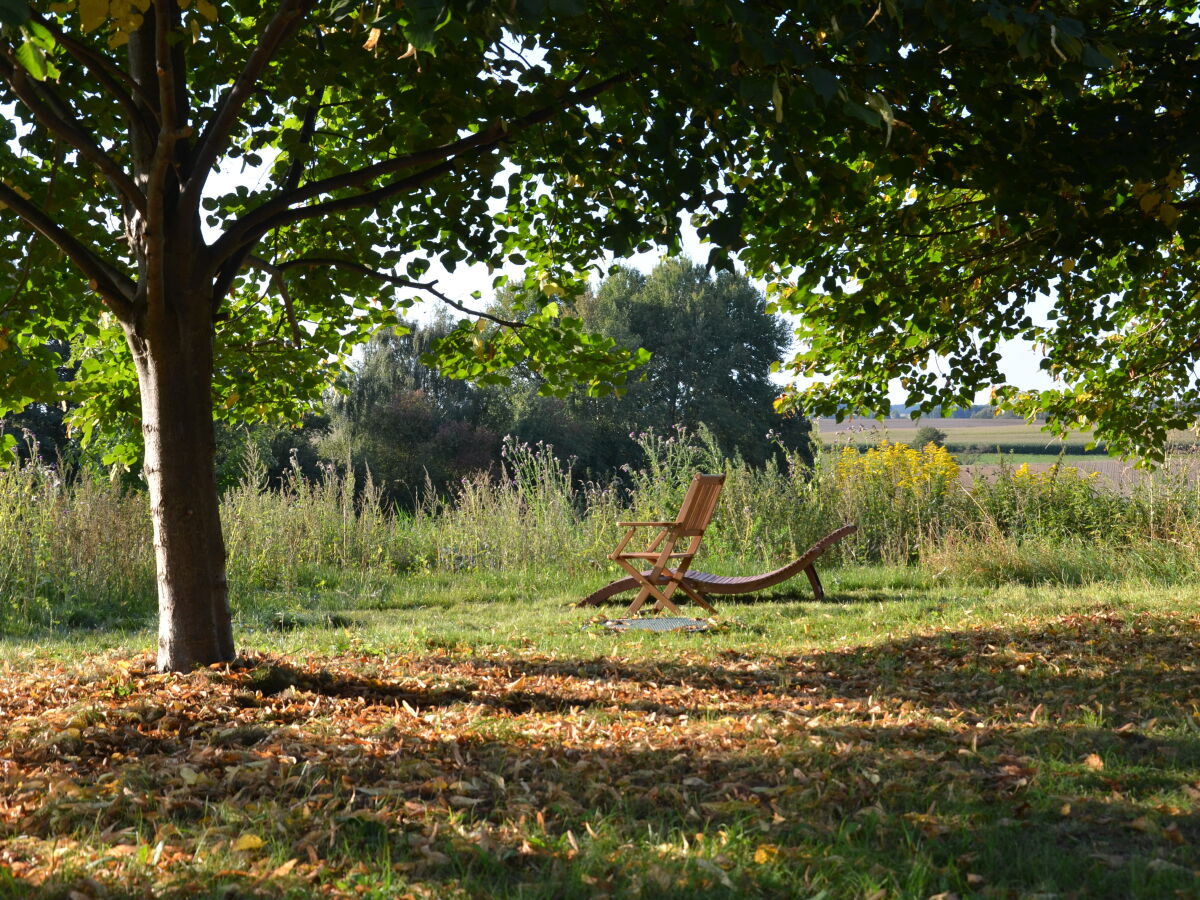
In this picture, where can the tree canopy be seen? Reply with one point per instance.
(1063, 177)
(711, 345)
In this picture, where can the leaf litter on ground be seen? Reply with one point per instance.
(913, 766)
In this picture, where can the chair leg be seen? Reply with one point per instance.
(642, 596)
(818, 590)
(698, 598)
(662, 599)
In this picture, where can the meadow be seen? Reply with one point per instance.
(999, 697)
(987, 434)
(983, 447)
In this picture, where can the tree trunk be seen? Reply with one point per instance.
(173, 354)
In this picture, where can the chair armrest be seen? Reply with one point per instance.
(639, 524)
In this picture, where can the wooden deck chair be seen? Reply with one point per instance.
(669, 562)
(706, 584)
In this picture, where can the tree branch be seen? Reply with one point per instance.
(1179, 353)
(308, 127)
(289, 308)
(169, 133)
(275, 212)
(367, 199)
(109, 76)
(430, 287)
(278, 211)
(115, 288)
(167, 112)
(282, 25)
(952, 232)
(42, 102)
(1018, 243)
(23, 275)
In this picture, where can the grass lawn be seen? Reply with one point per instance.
(464, 736)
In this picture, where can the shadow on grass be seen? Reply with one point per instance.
(991, 762)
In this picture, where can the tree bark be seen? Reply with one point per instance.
(173, 352)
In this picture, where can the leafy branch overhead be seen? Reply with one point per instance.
(1051, 199)
(289, 106)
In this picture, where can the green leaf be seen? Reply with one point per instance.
(1095, 58)
(823, 81)
(33, 59)
(40, 35)
(426, 18)
(859, 111)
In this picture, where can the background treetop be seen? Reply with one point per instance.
(710, 343)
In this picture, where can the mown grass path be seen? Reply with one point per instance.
(901, 743)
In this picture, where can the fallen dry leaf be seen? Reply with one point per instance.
(285, 868)
(766, 853)
(248, 842)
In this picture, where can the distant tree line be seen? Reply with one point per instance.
(711, 341)
(974, 411)
(40, 427)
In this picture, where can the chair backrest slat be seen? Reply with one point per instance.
(699, 504)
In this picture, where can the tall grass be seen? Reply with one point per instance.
(71, 556)
(82, 553)
(288, 536)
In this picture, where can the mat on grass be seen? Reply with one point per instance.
(665, 623)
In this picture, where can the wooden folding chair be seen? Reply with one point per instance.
(670, 564)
